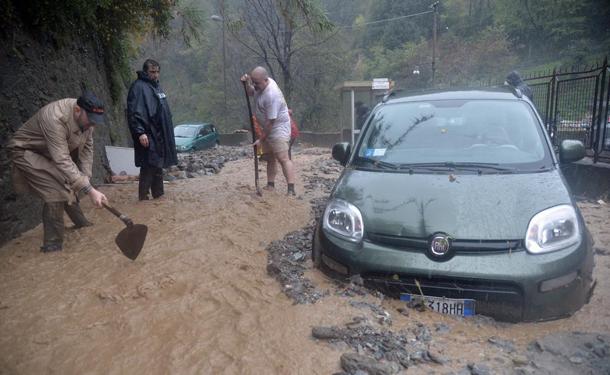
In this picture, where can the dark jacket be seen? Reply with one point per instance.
(515, 80)
(148, 113)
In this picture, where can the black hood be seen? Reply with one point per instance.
(144, 77)
(514, 79)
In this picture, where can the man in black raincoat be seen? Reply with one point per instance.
(152, 130)
(514, 79)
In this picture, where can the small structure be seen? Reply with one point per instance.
(357, 100)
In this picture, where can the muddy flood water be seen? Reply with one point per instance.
(203, 297)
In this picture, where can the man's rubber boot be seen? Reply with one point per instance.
(76, 215)
(53, 226)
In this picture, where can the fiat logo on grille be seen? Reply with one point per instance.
(440, 244)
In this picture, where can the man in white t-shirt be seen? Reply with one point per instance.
(271, 105)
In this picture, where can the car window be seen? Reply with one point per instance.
(206, 130)
(470, 131)
(185, 131)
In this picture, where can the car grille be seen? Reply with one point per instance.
(503, 300)
(458, 245)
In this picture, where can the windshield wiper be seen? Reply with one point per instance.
(428, 166)
(449, 165)
(494, 166)
(377, 163)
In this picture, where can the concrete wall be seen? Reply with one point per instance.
(235, 139)
(305, 137)
(319, 139)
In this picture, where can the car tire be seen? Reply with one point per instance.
(316, 251)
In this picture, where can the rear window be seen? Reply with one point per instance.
(471, 131)
(185, 131)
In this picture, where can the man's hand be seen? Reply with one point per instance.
(143, 140)
(256, 143)
(245, 78)
(97, 198)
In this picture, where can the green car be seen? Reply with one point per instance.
(456, 199)
(192, 137)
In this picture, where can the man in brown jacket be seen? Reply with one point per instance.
(52, 156)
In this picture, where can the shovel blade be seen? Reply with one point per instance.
(131, 240)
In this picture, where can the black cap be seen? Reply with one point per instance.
(94, 107)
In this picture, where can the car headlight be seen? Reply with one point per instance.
(552, 229)
(343, 219)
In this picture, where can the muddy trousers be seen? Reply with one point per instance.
(53, 223)
(151, 179)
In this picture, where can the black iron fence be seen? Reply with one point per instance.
(574, 105)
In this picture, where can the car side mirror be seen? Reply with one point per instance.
(341, 152)
(571, 150)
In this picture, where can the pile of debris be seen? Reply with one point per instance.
(205, 162)
(190, 165)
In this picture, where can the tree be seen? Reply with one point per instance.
(393, 34)
(275, 30)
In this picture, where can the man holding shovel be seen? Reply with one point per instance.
(52, 156)
(271, 105)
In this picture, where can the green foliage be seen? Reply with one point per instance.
(394, 34)
(569, 29)
(109, 22)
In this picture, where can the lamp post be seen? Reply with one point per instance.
(434, 7)
(218, 18)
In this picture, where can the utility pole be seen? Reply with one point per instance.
(434, 7)
(221, 18)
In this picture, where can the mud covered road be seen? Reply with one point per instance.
(225, 284)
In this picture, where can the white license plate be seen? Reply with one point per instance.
(449, 306)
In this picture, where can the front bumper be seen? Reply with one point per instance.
(505, 285)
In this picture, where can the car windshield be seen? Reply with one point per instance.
(447, 133)
(185, 131)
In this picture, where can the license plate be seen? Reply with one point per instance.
(449, 306)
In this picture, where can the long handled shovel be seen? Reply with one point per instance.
(131, 239)
(258, 190)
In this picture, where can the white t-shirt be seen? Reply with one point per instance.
(272, 106)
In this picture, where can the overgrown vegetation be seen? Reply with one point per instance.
(109, 23)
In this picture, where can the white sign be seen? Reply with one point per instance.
(121, 159)
(381, 84)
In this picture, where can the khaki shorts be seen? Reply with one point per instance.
(275, 145)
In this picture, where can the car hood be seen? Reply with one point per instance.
(469, 207)
(182, 141)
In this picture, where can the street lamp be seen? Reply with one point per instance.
(218, 18)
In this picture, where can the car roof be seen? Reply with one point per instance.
(499, 92)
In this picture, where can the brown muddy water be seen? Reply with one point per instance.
(198, 300)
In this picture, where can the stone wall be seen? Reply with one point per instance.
(34, 72)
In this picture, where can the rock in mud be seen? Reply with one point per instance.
(353, 362)
(505, 345)
(479, 369)
(570, 353)
(286, 263)
(327, 333)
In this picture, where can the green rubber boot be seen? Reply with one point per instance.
(53, 226)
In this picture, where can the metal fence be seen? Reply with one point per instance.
(574, 105)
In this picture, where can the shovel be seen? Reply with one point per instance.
(258, 190)
(131, 239)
